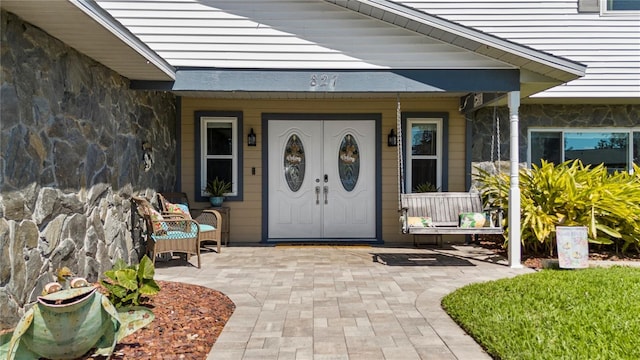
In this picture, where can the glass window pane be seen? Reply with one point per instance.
(219, 141)
(623, 5)
(349, 162)
(636, 148)
(547, 146)
(294, 163)
(595, 148)
(220, 168)
(422, 171)
(423, 139)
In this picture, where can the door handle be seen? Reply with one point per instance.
(317, 195)
(326, 193)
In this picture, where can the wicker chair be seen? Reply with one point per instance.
(209, 220)
(168, 234)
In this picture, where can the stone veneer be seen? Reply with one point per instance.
(557, 116)
(72, 135)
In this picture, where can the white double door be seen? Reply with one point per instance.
(321, 179)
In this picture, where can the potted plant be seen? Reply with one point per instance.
(216, 189)
(426, 187)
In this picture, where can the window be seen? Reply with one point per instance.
(622, 5)
(615, 148)
(219, 151)
(636, 147)
(619, 6)
(425, 157)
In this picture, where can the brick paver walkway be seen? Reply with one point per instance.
(341, 302)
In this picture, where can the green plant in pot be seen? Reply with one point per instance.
(425, 187)
(216, 189)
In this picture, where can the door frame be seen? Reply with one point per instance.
(377, 117)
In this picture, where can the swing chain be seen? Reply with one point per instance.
(495, 140)
(399, 149)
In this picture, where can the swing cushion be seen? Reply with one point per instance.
(419, 221)
(472, 220)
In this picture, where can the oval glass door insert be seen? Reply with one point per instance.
(349, 162)
(294, 163)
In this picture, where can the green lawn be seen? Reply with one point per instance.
(554, 314)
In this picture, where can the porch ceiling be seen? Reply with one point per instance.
(87, 28)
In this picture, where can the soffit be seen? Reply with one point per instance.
(87, 28)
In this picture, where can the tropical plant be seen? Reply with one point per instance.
(130, 285)
(571, 194)
(217, 187)
(425, 187)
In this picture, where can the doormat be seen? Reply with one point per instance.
(321, 245)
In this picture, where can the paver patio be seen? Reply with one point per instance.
(341, 302)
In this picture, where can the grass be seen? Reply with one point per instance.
(554, 314)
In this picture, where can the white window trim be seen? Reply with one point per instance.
(562, 131)
(234, 151)
(410, 156)
(605, 12)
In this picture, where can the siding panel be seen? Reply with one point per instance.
(246, 216)
(609, 43)
(283, 34)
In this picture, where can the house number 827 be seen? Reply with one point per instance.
(327, 81)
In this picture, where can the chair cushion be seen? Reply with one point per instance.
(180, 209)
(205, 227)
(173, 235)
(145, 209)
(159, 226)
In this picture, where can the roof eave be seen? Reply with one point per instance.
(86, 27)
(474, 40)
(99, 15)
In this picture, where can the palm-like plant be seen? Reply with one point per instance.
(571, 194)
(217, 187)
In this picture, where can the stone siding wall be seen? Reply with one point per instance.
(72, 135)
(558, 116)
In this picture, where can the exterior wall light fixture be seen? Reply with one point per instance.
(251, 138)
(392, 138)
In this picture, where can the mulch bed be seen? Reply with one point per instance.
(535, 261)
(188, 321)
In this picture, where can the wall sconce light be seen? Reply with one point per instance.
(392, 138)
(251, 138)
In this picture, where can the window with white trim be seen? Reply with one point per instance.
(424, 149)
(616, 148)
(619, 6)
(219, 150)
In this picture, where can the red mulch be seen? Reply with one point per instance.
(188, 320)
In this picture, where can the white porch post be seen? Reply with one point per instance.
(514, 188)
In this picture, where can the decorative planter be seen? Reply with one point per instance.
(68, 323)
(216, 201)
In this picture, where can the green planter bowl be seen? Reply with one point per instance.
(216, 201)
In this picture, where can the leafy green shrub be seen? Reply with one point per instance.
(129, 285)
(571, 194)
